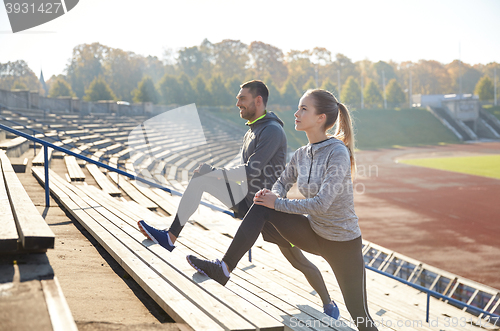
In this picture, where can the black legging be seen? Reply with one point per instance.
(217, 187)
(345, 257)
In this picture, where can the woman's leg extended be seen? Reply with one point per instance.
(294, 228)
(297, 259)
(346, 260)
(192, 196)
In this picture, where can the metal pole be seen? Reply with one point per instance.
(428, 307)
(362, 97)
(410, 92)
(34, 145)
(46, 169)
(495, 90)
(383, 86)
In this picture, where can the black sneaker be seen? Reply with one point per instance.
(212, 269)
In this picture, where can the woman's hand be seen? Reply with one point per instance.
(265, 198)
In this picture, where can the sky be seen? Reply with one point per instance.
(398, 30)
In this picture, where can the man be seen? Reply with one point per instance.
(263, 157)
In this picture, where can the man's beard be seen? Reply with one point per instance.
(249, 111)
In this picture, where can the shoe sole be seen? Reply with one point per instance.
(195, 267)
(147, 234)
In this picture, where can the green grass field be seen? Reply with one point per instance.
(486, 166)
(494, 110)
(374, 128)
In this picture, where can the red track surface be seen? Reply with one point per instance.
(445, 219)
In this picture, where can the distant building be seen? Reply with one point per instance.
(44, 85)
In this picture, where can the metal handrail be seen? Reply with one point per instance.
(47, 144)
(124, 173)
(434, 294)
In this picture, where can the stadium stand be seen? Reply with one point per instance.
(265, 293)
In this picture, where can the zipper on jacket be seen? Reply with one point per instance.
(310, 169)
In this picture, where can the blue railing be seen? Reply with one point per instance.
(46, 145)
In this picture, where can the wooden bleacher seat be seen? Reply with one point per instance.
(23, 228)
(103, 182)
(74, 171)
(15, 147)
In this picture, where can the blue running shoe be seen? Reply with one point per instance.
(212, 269)
(332, 310)
(159, 237)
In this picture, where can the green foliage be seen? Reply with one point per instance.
(372, 95)
(233, 87)
(394, 94)
(274, 93)
(19, 86)
(170, 90)
(485, 89)
(351, 93)
(289, 94)
(203, 96)
(146, 91)
(99, 90)
(310, 84)
(220, 95)
(187, 95)
(329, 86)
(60, 88)
(18, 72)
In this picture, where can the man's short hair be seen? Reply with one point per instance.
(257, 88)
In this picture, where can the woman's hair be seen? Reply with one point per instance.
(326, 103)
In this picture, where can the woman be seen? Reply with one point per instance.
(322, 170)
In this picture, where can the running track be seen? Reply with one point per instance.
(445, 219)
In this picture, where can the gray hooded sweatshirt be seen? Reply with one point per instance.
(263, 154)
(323, 175)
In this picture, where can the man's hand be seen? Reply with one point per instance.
(265, 198)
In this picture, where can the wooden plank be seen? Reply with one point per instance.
(59, 312)
(74, 170)
(39, 159)
(103, 181)
(177, 262)
(131, 191)
(151, 195)
(177, 306)
(34, 233)
(8, 231)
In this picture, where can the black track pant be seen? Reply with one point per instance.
(217, 188)
(345, 257)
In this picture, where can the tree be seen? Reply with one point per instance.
(328, 85)
(289, 94)
(274, 93)
(18, 72)
(351, 93)
(19, 86)
(382, 69)
(430, 77)
(146, 91)
(231, 57)
(123, 72)
(468, 75)
(99, 90)
(170, 90)
(310, 84)
(485, 89)
(203, 96)
(394, 94)
(60, 88)
(192, 61)
(299, 66)
(85, 66)
(233, 87)
(187, 95)
(267, 60)
(372, 95)
(220, 95)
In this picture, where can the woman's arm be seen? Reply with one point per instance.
(287, 179)
(338, 165)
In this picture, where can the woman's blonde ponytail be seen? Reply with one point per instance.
(345, 133)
